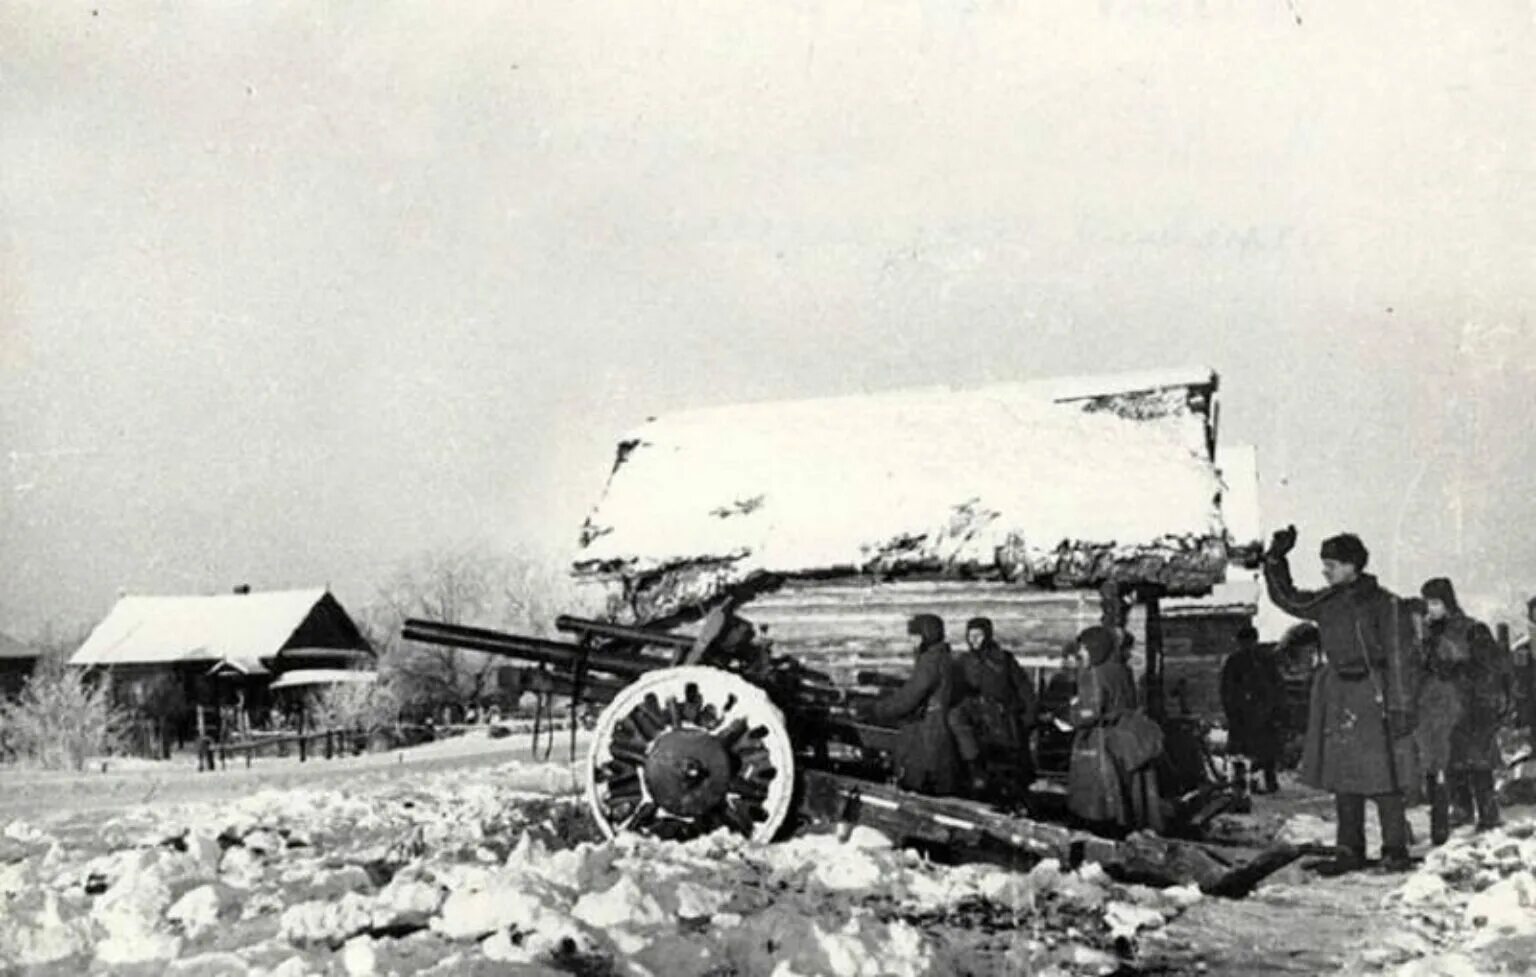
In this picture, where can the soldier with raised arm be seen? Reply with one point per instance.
(1361, 717)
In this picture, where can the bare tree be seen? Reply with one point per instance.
(471, 585)
(55, 642)
(60, 720)
(368, 707)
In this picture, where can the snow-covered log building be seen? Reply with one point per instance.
(846, 515)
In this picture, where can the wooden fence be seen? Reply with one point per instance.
(328, 743)
(331, 743)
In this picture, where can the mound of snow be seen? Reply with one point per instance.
(394, 875)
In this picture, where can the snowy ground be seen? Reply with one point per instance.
(444, 865)
(126, 782)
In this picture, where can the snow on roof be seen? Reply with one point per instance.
(11, 648)
(1239, 467)
(931, 475)
(238, 628)
(321, 676)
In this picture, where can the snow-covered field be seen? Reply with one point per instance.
(497, 869)
(1476, 897)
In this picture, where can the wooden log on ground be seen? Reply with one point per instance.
(971, 826)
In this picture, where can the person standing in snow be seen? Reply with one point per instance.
(1112, 780)
(1053, 748)
(1438, 704)
(925, 755)
(994, 715)
(1524, 667)
(1253, 698)
(1464, 651)
(1359, 724)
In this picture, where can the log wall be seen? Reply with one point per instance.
(1195, 647)
(848, 625)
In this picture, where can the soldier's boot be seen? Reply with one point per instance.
(1396, 836)
(1396, 860)
(1459, 786)
(1349, 844)
(1343, 863)
(1439, 810)
(1485, 799)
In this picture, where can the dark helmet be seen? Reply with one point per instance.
(929, 627)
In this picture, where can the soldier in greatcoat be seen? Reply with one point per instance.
(925, 756)
(1359, 726)
(1112, 781)
(994, 715)
(1438, 705)
(1253, 698)
(1463, 651)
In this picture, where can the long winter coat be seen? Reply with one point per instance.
(925, 756)
(1439, 712)
(1464, 652)
(995, 710)
(1105, 784)
(1366, 637)
(1253, 698)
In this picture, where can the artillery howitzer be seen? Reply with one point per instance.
(700, 733)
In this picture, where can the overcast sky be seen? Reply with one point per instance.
(289, 291)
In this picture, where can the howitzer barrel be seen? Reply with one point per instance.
(619, 632)
(528, 649)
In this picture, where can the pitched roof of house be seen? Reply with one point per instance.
(1022, 477)
(239, 628)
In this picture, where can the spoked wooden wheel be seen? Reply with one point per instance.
(684, 751)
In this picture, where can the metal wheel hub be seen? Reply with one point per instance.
(687, 772)
(684, 751)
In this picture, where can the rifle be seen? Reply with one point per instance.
(1386, 710)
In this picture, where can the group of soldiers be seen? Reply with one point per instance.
(964, 720)
(1407, 702)
(965, 723)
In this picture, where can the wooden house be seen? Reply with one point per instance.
(842, 517)
(168, 655)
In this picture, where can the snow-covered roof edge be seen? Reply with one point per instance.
(1240, 511)
(240, 628)
(1069, 389)
(1159, 422)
